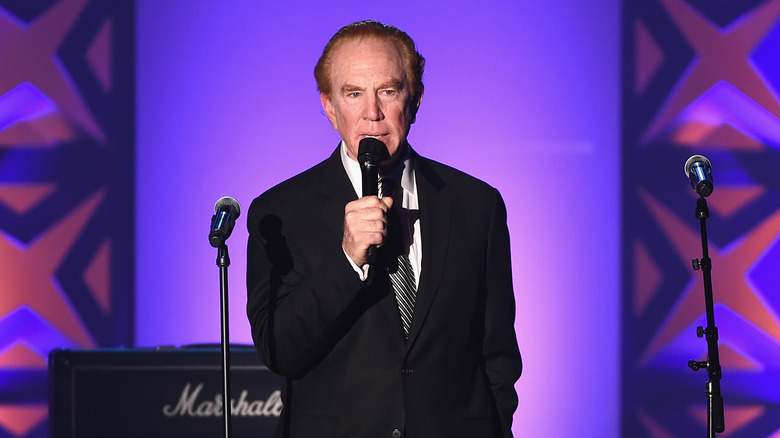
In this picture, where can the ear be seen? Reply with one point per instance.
(416, 107)
(327, 105)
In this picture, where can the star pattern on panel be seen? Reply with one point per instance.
(739, 417)
(648, 58)
(63, 64)
(652, 427)
(715, 92)
(21, 198)
(33, 53)
(722, 56)
(748, 356)
(25, 340)
(21, 419)
(725, 117)
(730, 200)
(21, 355)
(25, 326)
(647, 277)
(729, 272)
(97, 276)
(98, 55)
(29, 274)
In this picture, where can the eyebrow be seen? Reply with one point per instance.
(347, 88)
(391, 84)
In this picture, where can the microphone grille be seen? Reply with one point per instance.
(696, 159)
(227, 200)
(371, 151)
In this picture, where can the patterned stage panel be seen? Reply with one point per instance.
(701, 77)
(66, 191)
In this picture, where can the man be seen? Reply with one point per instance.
(365, 354)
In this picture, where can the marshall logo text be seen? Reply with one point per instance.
(190, 406)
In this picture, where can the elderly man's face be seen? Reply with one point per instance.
(370, 96)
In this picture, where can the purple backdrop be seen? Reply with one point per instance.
(523, 95)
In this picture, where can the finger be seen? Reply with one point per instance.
(388, 201)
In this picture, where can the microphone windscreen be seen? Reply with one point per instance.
(371, 151)
(696, 159)
(227, 200)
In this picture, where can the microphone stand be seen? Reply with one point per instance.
(223, 261)
(715, 416)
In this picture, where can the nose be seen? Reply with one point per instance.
(373, 108)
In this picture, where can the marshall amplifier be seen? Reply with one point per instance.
(174, 392)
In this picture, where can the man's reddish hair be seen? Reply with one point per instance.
(414, 63)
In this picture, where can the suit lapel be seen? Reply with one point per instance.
(435, 217)
(333, 192)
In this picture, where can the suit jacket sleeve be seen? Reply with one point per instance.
(503, 363)
(302, 292)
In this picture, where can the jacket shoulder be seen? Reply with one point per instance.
(317, 178)
(448, 178)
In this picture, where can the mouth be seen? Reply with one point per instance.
(376, 136)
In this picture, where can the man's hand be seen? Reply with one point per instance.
(365, 224)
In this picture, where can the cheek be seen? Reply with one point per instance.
(348, 115)
(333, 121)
(403, 119)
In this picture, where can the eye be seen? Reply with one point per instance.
(353, 94)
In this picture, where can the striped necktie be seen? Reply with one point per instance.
(399, 267)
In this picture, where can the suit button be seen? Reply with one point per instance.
(396, 433)
(407, 371)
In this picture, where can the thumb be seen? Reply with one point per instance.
(388, 200)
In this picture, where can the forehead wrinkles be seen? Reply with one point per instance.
(372, 61)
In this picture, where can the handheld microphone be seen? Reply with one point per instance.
(371, 153)
(699, 170)
(226, 211)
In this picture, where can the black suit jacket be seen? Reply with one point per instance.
(339, 342)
